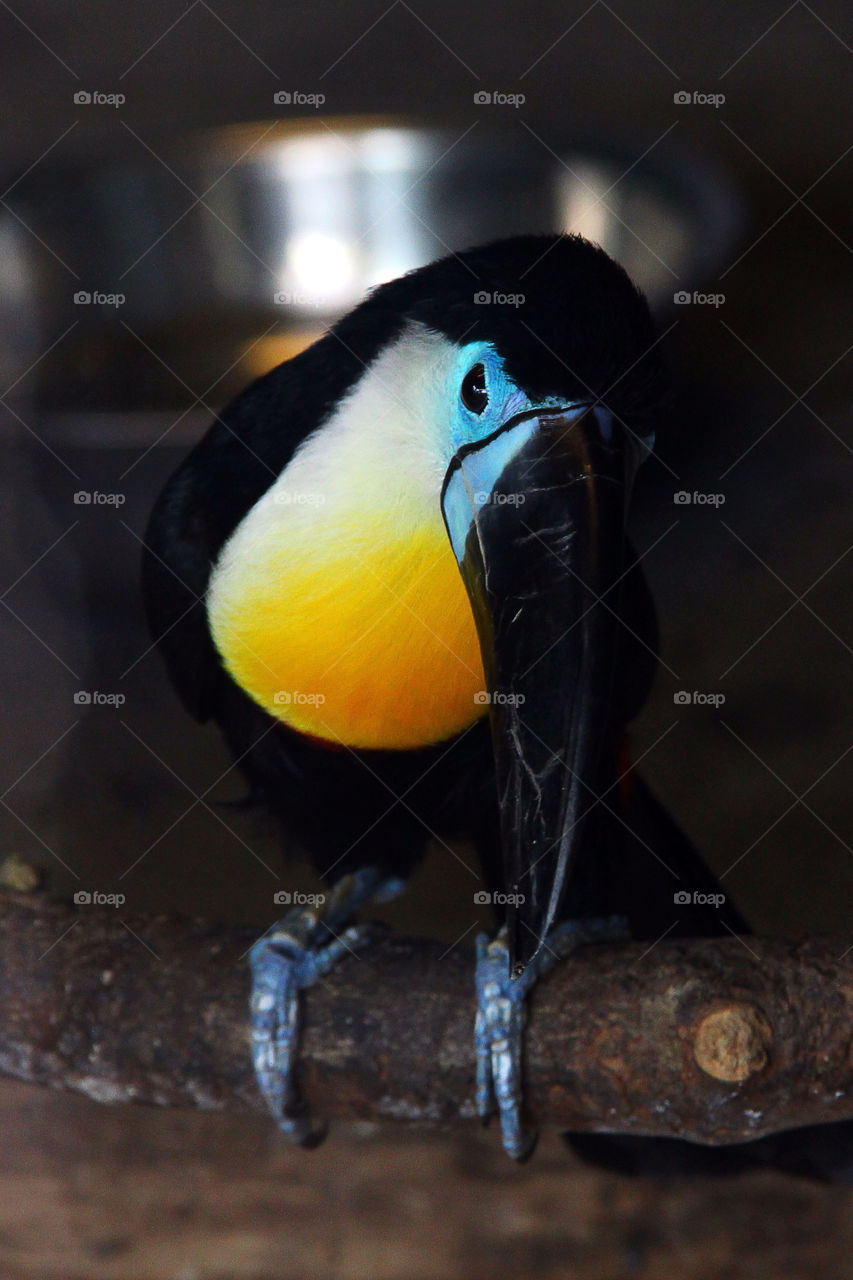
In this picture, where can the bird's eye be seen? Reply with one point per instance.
(473, 391)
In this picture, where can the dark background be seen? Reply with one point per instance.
(754, 595)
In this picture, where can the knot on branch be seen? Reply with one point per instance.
(733, 1043)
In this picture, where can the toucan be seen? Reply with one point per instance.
(395, 573)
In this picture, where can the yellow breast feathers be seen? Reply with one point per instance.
(338, 605)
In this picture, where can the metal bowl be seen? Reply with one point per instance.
(225, 252)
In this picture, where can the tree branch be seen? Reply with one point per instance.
(711, 1040)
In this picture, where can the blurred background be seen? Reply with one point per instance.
(189, 194)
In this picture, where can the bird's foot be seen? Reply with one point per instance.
(501, 1014)
(291, 956)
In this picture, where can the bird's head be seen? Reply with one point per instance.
(507, 396)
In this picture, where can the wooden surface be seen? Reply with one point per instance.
(89, 1192)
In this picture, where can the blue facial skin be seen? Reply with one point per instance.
(471, 485)
(505, 398)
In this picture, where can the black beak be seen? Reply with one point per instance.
(536, 516)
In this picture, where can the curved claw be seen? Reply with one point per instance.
(298, 951)
(281, 969)
(501, 1015)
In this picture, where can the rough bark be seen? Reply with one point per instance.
(703, 1039)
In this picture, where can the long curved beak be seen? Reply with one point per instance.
(536, 516)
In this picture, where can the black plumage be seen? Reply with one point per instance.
(588, 334)
(328, 796)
